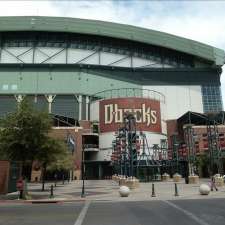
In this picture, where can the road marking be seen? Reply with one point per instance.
(191, 215)
(82, 214)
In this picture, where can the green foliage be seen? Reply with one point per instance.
(63, 161)
(52, 152)
(23, 132)
(24, 137)
(202, 160)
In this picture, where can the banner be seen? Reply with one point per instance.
(146, 112)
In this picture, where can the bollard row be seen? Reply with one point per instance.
(175, 190)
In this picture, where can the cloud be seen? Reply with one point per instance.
(27, 8)
(202, 21)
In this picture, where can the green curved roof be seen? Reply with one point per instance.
(127, 32)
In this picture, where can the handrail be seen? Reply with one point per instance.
(129, 92)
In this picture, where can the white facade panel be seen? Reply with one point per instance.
(180, 99)
(105, 144)
(93, 59)
(94, 111)
(107, 58)
(77, 55)
(196, 98)
(27, 57)
(163, 116)
(138, 62)
(17, 51)
(105, 139)
(102, 155)
(49, 51)
(57, 57)
(6, 57)
(39, 56)
(126, 62)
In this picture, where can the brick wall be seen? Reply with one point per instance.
(171, 130)
(76, 132)
(202, 139)
(4, 176)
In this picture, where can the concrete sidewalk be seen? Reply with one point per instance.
(107, 190)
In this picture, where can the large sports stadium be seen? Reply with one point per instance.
(89, 74)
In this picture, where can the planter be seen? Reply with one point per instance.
(193, 179)
(132, 183)
(165, 177)
(176, 177)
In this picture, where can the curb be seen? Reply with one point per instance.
(41, 201)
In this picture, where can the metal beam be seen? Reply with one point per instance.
(119, 60)
(50, 57)
(10, 53)
(86, 57)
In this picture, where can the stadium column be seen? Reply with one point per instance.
(79, 99)
(87, 106)
(50, 99)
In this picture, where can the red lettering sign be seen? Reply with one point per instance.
(146, 112)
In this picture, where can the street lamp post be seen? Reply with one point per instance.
(82, 170)
(177, 157)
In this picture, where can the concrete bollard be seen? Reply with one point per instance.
(63, 179)
(153, 190)
(176, 190)
(124, 191)
(204, 189)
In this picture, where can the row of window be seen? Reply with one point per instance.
(212, 98)
(63, 105)
(60, 40)
(149, 56)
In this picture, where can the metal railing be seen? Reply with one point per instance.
(129, 92)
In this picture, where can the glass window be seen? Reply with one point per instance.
(212, 100)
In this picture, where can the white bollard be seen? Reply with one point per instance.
(204, 189)
(124, 191)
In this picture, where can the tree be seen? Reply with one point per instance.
(23, 132)
(63, 164)
(24, 137)
(49, 153)
(202, 161)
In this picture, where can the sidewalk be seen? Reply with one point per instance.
(107, 190)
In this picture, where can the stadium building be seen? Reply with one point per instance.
(87, 74)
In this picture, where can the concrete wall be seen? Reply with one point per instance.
(45, 81)
(180, 99)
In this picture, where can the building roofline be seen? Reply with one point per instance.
(114, 30)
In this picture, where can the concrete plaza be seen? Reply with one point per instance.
(107, 190)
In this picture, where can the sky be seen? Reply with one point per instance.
(200, 20)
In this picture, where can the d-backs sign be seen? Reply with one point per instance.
(146, 112)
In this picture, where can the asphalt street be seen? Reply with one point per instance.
(179, 212)
(39, 214)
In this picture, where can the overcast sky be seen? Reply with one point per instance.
(202, 21)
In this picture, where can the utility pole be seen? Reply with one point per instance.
(83, 189)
